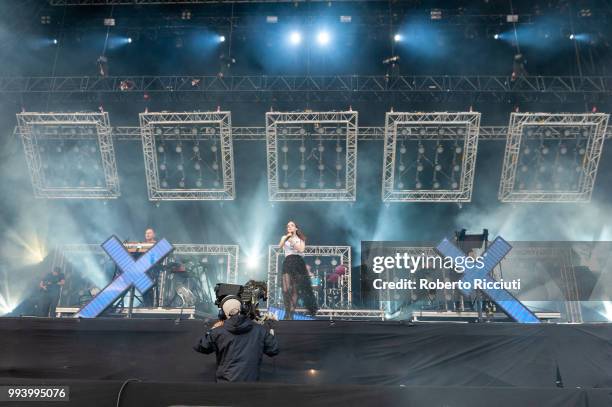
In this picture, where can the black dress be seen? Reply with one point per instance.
(295, 267)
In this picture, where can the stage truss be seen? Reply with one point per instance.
(275, 289)
(462, 127)
(392, 300)
(339, 88)
(34, 128)
(167, 126)
(96, 258)
(290, 122)
(230, 252)
(557, 128)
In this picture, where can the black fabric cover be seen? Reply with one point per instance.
(317, 352)
(105, 393)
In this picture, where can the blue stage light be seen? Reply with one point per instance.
(129, 40)
(279, 313)
(221, 38)
(295, 38)
(323, 38)
(134, 273)
(491, 258)
(397, 38)
(581, 37)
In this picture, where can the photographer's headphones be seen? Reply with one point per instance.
(222, 316)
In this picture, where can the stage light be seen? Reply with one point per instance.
(129, 40)
(252, 262)
(496, 36)
(55, 41)
(6, 307)
(221, 38)
(397, 38)
(581, 37)
(323, 38)
(271, 19)
(295, 38)
(607, 310)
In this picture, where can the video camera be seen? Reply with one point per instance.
(249, 296)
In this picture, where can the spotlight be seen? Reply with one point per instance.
(129, 40)
(221, 38)
(252, 262)
(295, 38)
(496, 36)
(323, 38)
(55, 41)
(572, 36)
(397, 38)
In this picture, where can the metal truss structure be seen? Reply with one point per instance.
(370, 133)
(386, 297)
(230, 251)
(595, 123)
(467, 122)
(34, 127)
(150, 123)
(352, 314)
(349, 88)
(345, 314)
(344, 119)
(275, 294)
(469, 316)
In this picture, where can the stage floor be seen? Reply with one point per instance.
(343, 361)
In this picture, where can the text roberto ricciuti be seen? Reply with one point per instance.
(404, 261)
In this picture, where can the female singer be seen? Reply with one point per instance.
(296, 283)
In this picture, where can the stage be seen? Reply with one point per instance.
(332, 363)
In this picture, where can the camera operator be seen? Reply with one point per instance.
(238, 343)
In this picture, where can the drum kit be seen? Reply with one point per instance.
(327, 283)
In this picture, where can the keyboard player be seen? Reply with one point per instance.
(138, 249)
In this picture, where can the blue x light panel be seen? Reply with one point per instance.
(133, 272)
(491, 258)
(280, 314)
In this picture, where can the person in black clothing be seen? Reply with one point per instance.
(50, 287)
(149, 299)
(239, 344)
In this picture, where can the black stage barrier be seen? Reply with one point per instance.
(105, 393)
(318, 353)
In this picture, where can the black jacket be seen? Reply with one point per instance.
(239, 345)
